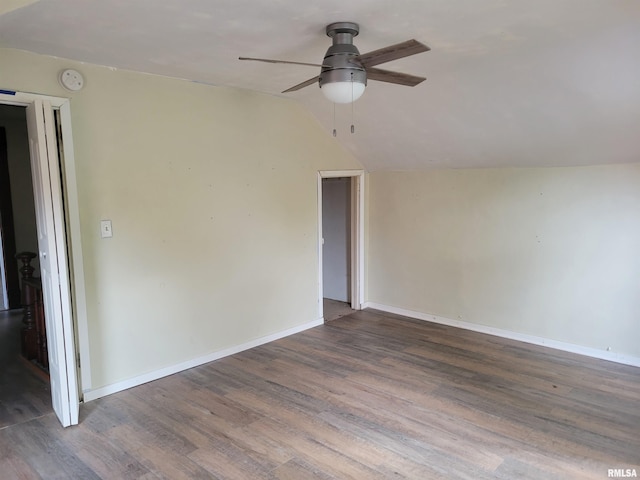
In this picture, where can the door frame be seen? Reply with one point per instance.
(357, 235)
(80, 346)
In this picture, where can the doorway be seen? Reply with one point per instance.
(24, 381)
(58, 243)
(340, 242)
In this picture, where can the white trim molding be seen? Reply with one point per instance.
(93, 394)
(521, 337)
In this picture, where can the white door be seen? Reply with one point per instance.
(53, 261)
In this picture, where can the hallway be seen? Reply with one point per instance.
(24, 395)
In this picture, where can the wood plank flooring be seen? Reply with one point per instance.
(334, 309)
(24, 395)
(367, 396)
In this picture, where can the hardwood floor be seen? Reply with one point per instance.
(334, 309)
(24, 395)
(367, 396)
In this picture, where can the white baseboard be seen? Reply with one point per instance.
(522, 337)
(93, 394)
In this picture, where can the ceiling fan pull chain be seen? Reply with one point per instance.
(335, 134)
(353, 129)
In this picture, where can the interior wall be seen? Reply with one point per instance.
(549, 252)
(24, 216)
(336, 231)
(212, 194)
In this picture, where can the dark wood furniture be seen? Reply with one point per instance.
(33, 334)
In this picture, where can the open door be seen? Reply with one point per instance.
(54, 270)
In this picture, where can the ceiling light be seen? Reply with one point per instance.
(343, 92)
(344, 84)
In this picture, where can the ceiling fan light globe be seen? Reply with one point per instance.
(343, 92)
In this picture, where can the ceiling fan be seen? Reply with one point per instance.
(344, 71)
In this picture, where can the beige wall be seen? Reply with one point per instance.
(550, 252)
(212, 195)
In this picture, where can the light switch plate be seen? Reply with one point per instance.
(105, 229)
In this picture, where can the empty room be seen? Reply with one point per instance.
(281, 240)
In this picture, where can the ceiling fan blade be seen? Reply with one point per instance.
(392, 52)
(393, 77)
(306, 83)
(282, 61)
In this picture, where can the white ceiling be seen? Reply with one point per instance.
(509, 82)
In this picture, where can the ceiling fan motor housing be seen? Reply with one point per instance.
(338, 65)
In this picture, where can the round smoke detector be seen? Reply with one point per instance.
(71, 79)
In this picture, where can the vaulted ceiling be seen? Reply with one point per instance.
(509, 83)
